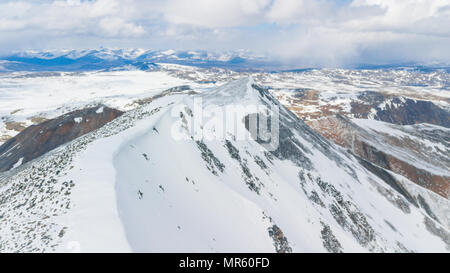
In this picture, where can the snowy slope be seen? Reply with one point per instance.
(423, 145)
(132, 186)
(418, 152)
(30, 98)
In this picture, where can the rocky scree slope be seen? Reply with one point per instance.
(37, 140)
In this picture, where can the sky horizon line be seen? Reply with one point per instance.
(263, 59)
(330, 33)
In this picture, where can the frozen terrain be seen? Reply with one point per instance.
(132, 186)
(30, 98)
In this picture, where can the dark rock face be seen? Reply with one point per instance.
(279, 240)
(387, 178)
(402, 111)
(413, 112)
(37, 140)
(437, 183)
(426, 207)
(330, 242)
(366, 145)
(212, 162)
(438, 231)
(250, 180)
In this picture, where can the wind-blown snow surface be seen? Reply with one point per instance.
(131, 186)
(29, 98)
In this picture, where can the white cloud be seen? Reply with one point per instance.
(116, 27)
(79, 17)
(213, 14)
(305, 32)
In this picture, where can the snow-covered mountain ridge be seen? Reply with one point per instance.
(124, 59)
(115, 189)
(147, 59)
(408, 113)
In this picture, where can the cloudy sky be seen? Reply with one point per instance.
(306, 32)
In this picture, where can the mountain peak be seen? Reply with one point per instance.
(238, 91)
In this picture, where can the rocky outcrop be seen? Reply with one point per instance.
(37, 140)
(393, 108)
(330, 241)
(279, 240)
(406, 153)
(399, 110)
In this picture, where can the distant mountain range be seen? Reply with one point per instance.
(112, 59)
(125, 59)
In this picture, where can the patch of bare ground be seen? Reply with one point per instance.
(37, 119)
(15, 111)
(322, 111)
(15, 126)
(4, 138)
